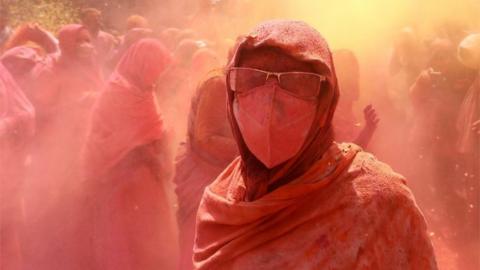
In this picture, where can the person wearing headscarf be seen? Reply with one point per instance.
(20, 62)
(126, 165)
(65, 88)
(209, 148)
(17, 127)
(295, 199)
(348, 72)
(468, 147)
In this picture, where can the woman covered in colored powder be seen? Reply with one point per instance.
(17, 126)
(125, 166)
(66, 84)
(210, 147)
(295, 199)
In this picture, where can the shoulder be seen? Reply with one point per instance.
(375, 181)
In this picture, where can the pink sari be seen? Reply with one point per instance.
(133, 224)
(16, 128)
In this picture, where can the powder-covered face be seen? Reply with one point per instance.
(274, 123)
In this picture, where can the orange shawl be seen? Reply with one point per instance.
(329, 207)
(349, 211)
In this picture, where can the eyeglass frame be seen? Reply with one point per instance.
(278, 76)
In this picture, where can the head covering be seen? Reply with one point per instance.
(67, 38)
(125, 115)
(144, 60)
(15, 109)
(26, 54)
(302, 42)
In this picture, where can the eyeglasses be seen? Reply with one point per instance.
(300, 84)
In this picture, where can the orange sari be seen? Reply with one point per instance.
(349, 211)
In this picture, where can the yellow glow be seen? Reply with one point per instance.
(366, 24)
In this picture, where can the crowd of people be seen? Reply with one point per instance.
(175, 149)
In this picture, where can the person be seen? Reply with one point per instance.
(348, 71)
(17, 127)
(436, 97)
(65, 88)
(20, 62)
(207, 151)
(295, 199)
(103, 42)
(126, 164)
(468, 148)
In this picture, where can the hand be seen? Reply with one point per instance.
(370, 116)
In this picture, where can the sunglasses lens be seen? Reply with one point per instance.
(301, 84)
(243, 79)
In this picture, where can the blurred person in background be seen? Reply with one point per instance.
(21, 62)
(437, 97)
(468, 146)
(345, 123)
(103, 42)
(208, 149)
(127, 164)
(63, 94)
(17, 127)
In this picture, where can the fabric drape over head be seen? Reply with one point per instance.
(24, 53)
(336, 207)
(16, 111)
(303, 43)
(16, 129)
(129, 101)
